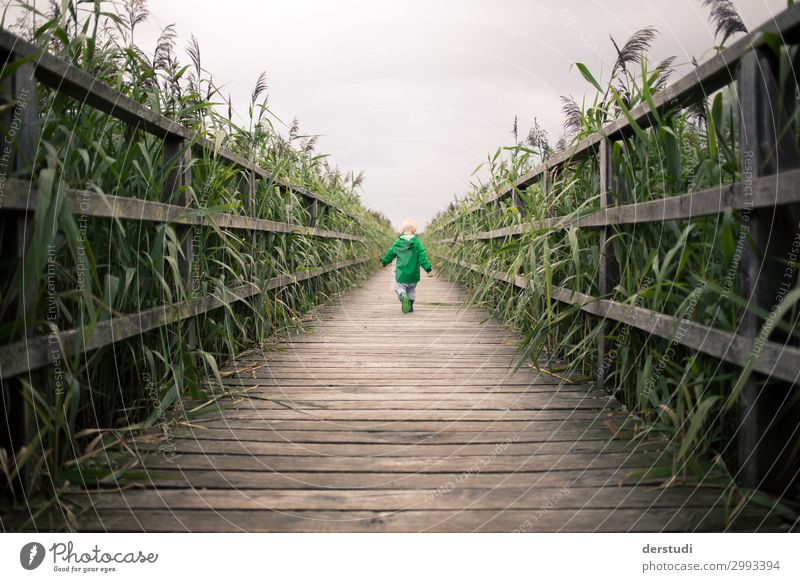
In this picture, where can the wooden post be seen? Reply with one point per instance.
(290, 258)
(546, 185)
(322, 211)
(519, 203)
(313, 211)
(494, 213)
(607, 271)
(766, 147)
(19, 126)
(250, 201)
(178, 190)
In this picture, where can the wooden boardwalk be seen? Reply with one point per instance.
(380, 421)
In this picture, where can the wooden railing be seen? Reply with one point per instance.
(20, 202)
(746, 62)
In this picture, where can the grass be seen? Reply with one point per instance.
(84, 270)
(689, 268)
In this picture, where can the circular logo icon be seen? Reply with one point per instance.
(31, 555)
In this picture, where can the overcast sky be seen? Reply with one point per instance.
(417, 93)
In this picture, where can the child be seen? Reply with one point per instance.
(410, 255)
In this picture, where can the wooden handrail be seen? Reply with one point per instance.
(774, 359)
(762, 192)
(23, 195)
(37, 352)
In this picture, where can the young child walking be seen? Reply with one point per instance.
(410, 255)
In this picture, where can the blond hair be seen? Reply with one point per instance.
(408, 227)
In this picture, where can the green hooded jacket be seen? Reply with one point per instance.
(410, 255)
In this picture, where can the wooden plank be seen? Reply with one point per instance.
(553, 520)
(171, 478)
(423, 398)
(227, 424)
(487, 404)
(380, 450)
(384, 389)
(384, 376)
(346, 416)
(452, 464)
(375, 365)
(545, 434)
(509, 498)
(422, 386)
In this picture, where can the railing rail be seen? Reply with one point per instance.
(37, 352)
(763, 192)
(22, 195)
(775, 359)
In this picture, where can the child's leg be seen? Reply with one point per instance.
(411, 291)
(402, 294)
(399, 289)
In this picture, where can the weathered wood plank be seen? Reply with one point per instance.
(177, 478)
(342, 464)
(282, 389)
(487, 404)
(545, 421)
(239, 446)
(418, 415)
(507, 498)
(550, 434)
(553, 520)
(420, 398)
